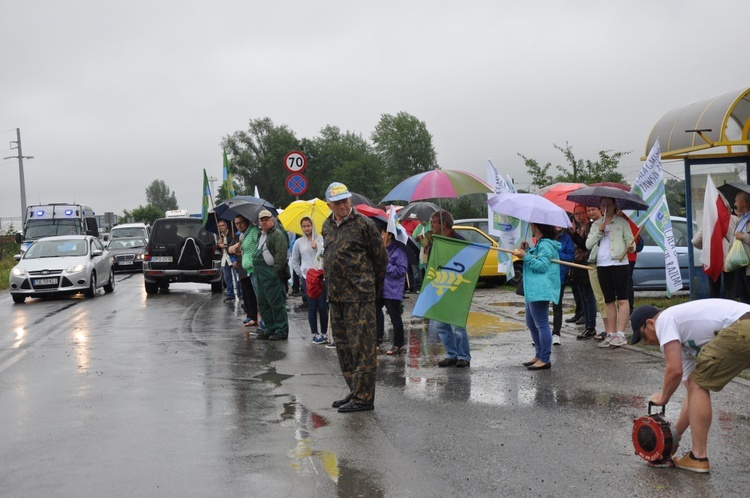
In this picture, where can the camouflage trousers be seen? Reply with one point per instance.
(355, 334)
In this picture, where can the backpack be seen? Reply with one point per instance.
(314, 283)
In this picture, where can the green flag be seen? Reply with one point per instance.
(228, 179)
(450, 279)
(206, 195)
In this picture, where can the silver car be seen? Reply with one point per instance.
(649, 274)
(67, 264)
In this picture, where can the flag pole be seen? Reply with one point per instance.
(510, 251)
(635, 237)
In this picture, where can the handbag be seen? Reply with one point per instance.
(736, 257)
(314, 283)
(519, 287)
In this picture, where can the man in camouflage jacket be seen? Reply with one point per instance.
(354, 262)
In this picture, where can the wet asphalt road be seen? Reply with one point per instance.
(129, 395)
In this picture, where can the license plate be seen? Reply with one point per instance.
(45, 281)
(161, 259)
(124, 263)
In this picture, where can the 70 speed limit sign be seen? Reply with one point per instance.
(295, 162)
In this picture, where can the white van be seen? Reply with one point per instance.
(130, 230)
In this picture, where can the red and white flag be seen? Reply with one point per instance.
(715, 226)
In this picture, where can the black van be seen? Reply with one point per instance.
(181, 250)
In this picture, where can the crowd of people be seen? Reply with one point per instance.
(366, 269)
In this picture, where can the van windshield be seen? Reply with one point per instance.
(36, 229)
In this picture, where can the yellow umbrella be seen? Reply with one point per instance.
(314, 208)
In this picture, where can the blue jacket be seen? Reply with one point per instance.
(541, 277)
(567, 252)
(395, 272)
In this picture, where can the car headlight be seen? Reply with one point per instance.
(139, 257)
(19, 272)
(76, 269)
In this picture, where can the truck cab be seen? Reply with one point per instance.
(48, 220)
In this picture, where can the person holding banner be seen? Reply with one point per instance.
(455, 338)
(541, 284)
(609, 241)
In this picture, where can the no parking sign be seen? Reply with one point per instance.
(296, 184)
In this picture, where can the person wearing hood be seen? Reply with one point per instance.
(541, 284)
(393, 291)
(307, 254)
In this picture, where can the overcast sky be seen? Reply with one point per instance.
(112, 95)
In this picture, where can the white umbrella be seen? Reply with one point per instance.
(530, 208)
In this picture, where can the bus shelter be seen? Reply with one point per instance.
(711, 137)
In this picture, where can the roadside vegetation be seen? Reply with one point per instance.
(8, 248)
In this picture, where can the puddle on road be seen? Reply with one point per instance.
(305, 458)
(484, 323)
(273, 377)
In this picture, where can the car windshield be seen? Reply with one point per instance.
(473, 236)
(126, 244)
(57, 249)
(36, 229)
(679, 231)
(116, 233)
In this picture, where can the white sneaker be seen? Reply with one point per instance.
(605, 343)
(618, 341)
(556, 339)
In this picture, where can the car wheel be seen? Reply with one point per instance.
(91, 291)
(18, 298)
(217, 287)
(518, 273)
(151, 288)
(110, 285)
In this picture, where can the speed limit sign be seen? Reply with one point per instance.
(295, 162)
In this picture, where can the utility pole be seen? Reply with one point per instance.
(20, 158)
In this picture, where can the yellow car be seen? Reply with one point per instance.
(489, 270)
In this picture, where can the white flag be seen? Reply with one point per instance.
(650, 186)
(506, 228)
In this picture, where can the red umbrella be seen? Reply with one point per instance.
(558, 193)
(610, 184)
(371, 212)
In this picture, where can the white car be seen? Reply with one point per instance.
(68, 264)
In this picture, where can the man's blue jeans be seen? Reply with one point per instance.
(455, 339)
(537, 320)
(228, 279)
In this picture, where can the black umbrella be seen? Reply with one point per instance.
(249, 207)
(361, 199)
(730, 190)
(592, 196)
(223, 212)
(421, 211)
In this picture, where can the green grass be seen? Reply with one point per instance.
(8, 249)
(5, 266)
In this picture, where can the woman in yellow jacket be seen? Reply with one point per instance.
(609, 240)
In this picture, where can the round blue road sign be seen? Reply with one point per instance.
(296, 184)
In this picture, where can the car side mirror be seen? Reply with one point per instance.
(96, 252)
(18, 238)
(17, 257)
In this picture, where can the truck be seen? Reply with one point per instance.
(46, 220)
